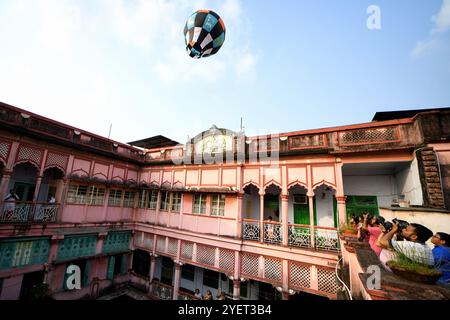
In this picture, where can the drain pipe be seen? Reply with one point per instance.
(342, 282)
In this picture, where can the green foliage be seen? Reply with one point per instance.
(403, 262)
(347, 227)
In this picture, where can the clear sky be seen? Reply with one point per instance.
(284, 66)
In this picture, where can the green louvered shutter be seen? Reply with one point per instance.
(110, 272)
(87, 272)
(123, 266)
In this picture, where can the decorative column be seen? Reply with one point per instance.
(240, 198)
(158, 205)
(5, 183)
(52, 256)
(311, 219)
(342, 209)
(100, 240)
(180, 225)
(54, 246)
(153, 258)
(284, 218)
(236, 276)
(340, 197)
(284, 295)
(105, 205)
(261, 217)
(285, 292)
(151, 274)
(176, 284)
(37, 188)
(236, 289)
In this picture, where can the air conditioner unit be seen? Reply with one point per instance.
(300, 199)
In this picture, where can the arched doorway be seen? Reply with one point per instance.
(326, 218)
(251, 225)
(251, 203)
(51, 185)
(23, 181)
(325, 207)
(272, 217)
(299, 217)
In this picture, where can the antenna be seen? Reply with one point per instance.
(110, 128)
(241, 124)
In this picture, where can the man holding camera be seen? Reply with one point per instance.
(413, 246)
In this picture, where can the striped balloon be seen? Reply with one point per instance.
(204, 34)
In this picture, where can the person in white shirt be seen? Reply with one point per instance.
(10, 202)
(51, 199)
(413, 246)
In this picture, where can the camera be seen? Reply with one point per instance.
(402, 224)
(387, 226)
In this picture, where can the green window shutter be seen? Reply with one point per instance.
(123, 266)
(358, 204)
(23, 252)
(271, 201)
(301, 214)
(86, 275)
(335, 212)
(110, 272)
(117, 242)
(315, 211)
(73, 247)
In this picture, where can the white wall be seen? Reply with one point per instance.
(324, 208)
(387, 187)
(382, 186)
(408, 183)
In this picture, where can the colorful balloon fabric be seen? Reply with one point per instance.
(204, 34)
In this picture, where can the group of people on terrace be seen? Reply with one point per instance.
(390, 240)
(208, 295)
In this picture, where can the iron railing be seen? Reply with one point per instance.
(23, 212)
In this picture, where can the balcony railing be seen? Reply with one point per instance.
(161, 291)
(251, 229)
(326, 238)
(23, 212)
(299, 236)
(272, 233)
(186, 296)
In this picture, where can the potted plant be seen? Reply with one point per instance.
(347, 229)
(407, 269)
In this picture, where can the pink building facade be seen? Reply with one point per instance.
(251, 216)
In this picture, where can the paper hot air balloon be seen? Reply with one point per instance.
(204, 34)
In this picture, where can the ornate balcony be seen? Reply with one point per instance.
(272, 233)
(326, 238)
(299, 236)
(161, 291)
(251, 230)
(28, 212)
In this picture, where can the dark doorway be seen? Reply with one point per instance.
(268, 292)
(167, 270)
(141, 263)
(30, 281)
(304, 296)
(25, 191)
